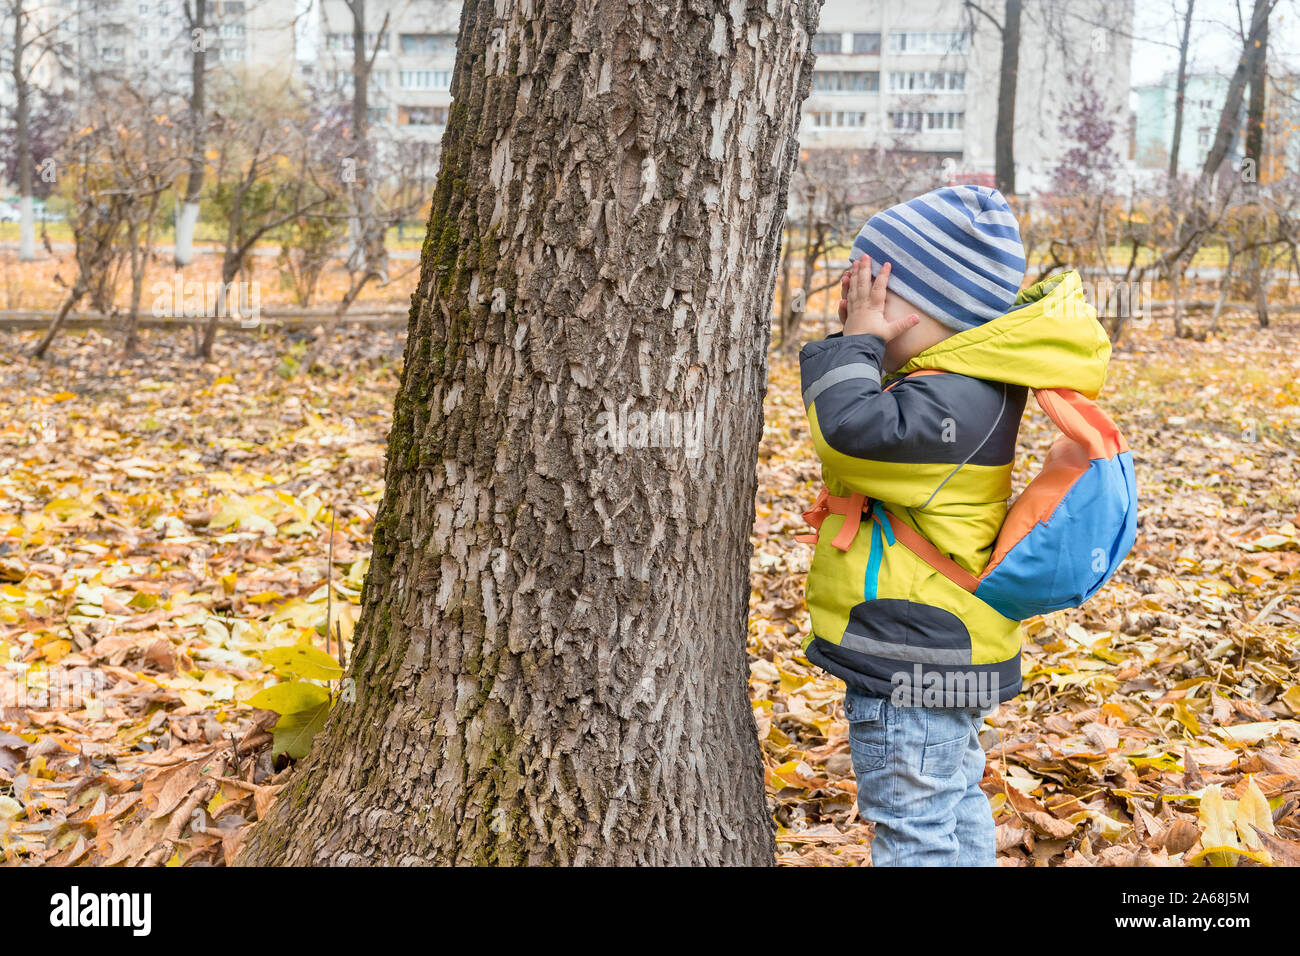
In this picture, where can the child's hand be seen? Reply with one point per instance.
(862, 308)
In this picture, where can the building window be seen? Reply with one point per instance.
(926, 81)
(846, 81)
(866, 43)
(425, 79)
(828, 43)
(905, 120)
(913, 121)
(1203, 136)
(930, 41)
(428, 44)
(336, 42)
(945, 120)
(838, 119)
(341, 80)
(422, 116)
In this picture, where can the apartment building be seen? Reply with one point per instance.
(1154, 131)
(40, 22)
(1203, 99)
(410, 82)
(923, 77)
(920, 77)
(85, 42)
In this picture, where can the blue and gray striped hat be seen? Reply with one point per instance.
(955, 252)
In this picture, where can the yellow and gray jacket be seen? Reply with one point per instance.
(936, 451)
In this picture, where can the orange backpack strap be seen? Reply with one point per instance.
(1082, 421)
(852, 508)
(920, 546)
(815, 516)
(828, 504)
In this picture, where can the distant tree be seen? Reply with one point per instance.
(196, 129)
(97, 209)
(265, 178)
(34, 29)
(49, 115)
(1261, 255)
(1180, 88)
(1090, 163)
(368, 258)
(1253, 51)
(148, 155)
(1009, 31)
(403, 173)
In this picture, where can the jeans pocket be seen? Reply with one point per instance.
(947, 736)
(866, 731)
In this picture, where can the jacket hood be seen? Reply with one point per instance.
(1050, 339)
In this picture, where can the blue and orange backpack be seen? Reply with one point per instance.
(1065, 535)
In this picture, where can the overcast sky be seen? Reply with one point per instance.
(1216, 37)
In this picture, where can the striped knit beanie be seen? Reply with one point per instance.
(955, 252)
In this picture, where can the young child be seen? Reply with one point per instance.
(925, 660)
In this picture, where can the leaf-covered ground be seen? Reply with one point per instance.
(164, 528)
(165, 532)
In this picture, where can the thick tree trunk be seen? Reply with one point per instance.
(1004, 146)
(550, 664)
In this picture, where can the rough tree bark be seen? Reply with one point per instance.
(550, 663)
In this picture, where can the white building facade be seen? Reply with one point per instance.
(414, 55)
(923, 77)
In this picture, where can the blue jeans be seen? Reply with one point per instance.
(918, 771)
